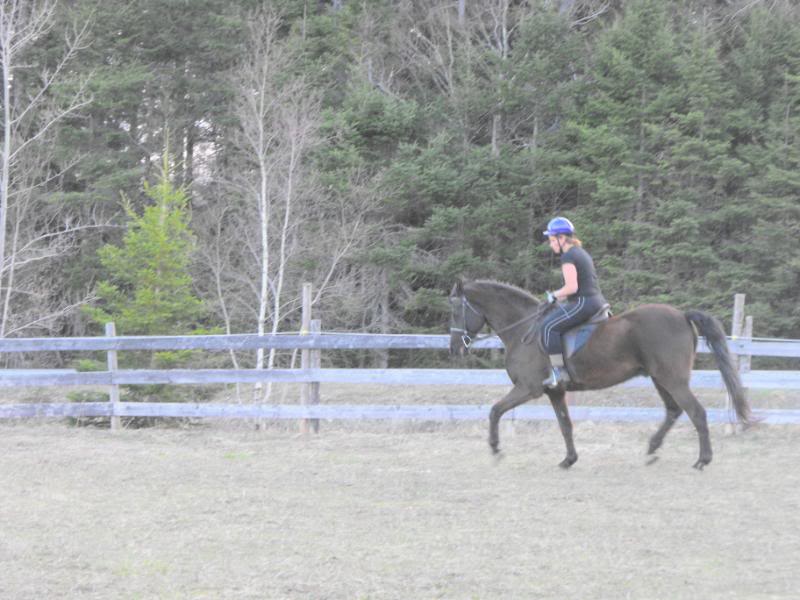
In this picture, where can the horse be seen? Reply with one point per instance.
(656, 340)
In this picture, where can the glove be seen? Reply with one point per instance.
(550, 298)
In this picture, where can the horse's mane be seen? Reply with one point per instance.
(507, 287)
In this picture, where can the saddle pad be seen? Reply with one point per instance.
(574, 339)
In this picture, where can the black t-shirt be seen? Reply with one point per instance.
(587, 276)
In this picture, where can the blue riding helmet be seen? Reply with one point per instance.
(560, 225)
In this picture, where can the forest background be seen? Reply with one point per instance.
(185, 166)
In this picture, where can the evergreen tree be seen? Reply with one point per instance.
(700, 190)
(773, 254)
(475, 200)
(765, 63)
(149, 286)
(666, 130)
(620, 135)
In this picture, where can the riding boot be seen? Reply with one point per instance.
(558, 374)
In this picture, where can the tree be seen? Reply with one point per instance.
(276, 113)
(278, 227)
(620, 136)
(149, 288)
(399, 144)
(700, 185)
(479, 177)
(35, 103)
(766, 66)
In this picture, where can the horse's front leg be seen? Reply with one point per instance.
(559, 401)
(518, 395)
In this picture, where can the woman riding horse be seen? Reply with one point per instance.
(653, 340)
(580, 296)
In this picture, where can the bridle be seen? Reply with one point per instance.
(467, 339)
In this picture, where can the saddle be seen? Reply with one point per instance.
(574, 339)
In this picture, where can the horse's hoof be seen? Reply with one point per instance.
(752, 423)
(568, 462)
(700, 464)
(651, 460)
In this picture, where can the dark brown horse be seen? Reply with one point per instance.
(655, 340)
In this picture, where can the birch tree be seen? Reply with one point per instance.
(32, 111)
(284, 228)
(276, 113)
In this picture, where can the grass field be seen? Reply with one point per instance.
(396, 510)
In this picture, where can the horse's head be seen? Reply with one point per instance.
(465, 321)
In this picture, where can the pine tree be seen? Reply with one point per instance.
(700, 188)
(774, 249)
(620, 135)
(765, 71)
(149, 287)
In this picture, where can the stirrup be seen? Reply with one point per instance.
(557, 377)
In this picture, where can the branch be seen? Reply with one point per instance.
(38, 24)
(64, 310)
(591, 17)
(28, 189)
(73, 108)
(72, 48)
(48, 236)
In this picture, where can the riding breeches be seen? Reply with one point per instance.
(566, 315)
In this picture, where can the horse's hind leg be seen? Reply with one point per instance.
(514, 398)
(559, 401)
(686, 400)
(673, 412)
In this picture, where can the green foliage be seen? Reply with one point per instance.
(149, 289)
(670, 140)
(88, 365)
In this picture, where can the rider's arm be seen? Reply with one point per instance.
(570, 281)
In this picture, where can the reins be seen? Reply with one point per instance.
(538, 313)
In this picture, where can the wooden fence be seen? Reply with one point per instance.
(314, 375)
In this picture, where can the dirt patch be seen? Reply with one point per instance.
(383, 510)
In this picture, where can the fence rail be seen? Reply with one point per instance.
(323, 341)
(18, 378)
(430, 412)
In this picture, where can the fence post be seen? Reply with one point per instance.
(315, 362)
(309, 392)
(737, 325)
(113, 396)
(745, 360)
(738, 320)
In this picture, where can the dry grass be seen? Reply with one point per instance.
(428, 394)
(393, 510)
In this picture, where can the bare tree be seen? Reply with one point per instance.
(278, 124)
(277, 219)
(452, 44)
(30, 234)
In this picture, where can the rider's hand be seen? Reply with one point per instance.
(550, 297)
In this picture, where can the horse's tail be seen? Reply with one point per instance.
(712, 330)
